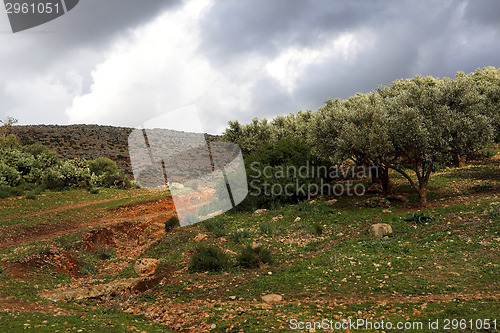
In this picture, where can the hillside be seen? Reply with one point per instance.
(83, 141)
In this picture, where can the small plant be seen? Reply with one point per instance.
(304, 206)
(105, 253)
(317, 229)
(209, 258)
(419, 218)
(240, 234)
(266, 228)
(171, 223)
(93, 190)
(494, 215)
(253, 257)
(377, 202)
(31, 196)
(216, 225)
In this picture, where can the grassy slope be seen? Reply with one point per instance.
(446, 268)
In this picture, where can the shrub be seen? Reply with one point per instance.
(171, 223)
(216, 226)
(377, 202)
(105, 253)
(106, 173)
(31, 196)
(9, 176)
(494, 215)
(253, 257)
(209, 258)
(282, 162)
(317, 229)
(266, 228)
(238, 235)
(419, 218)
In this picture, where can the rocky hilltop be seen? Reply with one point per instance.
(84, 141)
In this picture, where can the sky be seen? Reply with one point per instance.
(131, 62)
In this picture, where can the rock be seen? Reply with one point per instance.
(380, 229)
(146, 266)
(152, 233)
(106, 290)
(297, 219)
(272, 298)
(232, 297)
(277, 218)
(177, 185)
(199, 237)
(331, 202)
(259, 212)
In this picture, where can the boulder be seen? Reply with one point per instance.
(277, 218)
(146, 266)
(380, 229)
(272, 298)
(330, 202)
(199, 237)
(259, 212)
(152, 233)
(102, 290)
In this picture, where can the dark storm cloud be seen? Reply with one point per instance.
(408, 38)
(238, 28)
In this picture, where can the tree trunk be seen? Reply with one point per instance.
(461, 161)
(422, 195)
(385, 182)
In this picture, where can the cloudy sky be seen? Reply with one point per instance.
(125, 62)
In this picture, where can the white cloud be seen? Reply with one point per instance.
(34, 99)
(290, 65)
(158, 69)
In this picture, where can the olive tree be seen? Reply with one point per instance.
(426, 130)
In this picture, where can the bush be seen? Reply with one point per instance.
(317, 229)
(266, 228)
(171, 223)
(377, 202)
(419, 218)
(209, 258)
(238, 235)
(282, 162)
(31, 196)
(216, 226)
(105, 253)
(106, 173)
(253, 257)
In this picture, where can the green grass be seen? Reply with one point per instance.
(95, 321)
(325, 264)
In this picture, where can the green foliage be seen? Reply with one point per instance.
(317, 229)
(171, 223)
(209, 258)
(239, 235)
(266, 228)
(216, 225)
(105, 172)
(253, 257)
(279, 173)
(31, 196)
(419, 218)
(105, 252)
(377, 202)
